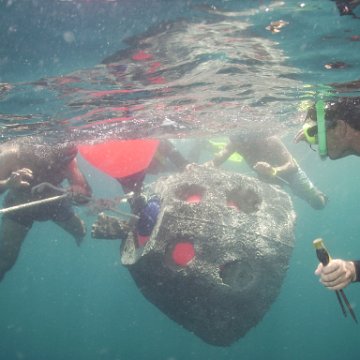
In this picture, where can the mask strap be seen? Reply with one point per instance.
(320, 119)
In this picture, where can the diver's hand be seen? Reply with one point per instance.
(300, 136)
(110, 227)
(337, 274)
(264, 168)
(192, 166)
(209, 164)
(79, 195)
(19, 179)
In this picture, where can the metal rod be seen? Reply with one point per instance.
(341, 303)
(346, 301)
(32, 203)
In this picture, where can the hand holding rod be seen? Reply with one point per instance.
(324, 257)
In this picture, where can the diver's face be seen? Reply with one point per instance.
(337, 142)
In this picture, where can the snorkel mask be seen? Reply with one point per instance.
(316, 134)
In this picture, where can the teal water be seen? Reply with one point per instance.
(79, 303)
(63, 302)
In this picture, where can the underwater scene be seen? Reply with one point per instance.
(165, 167)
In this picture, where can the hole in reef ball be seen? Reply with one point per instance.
(183, 253)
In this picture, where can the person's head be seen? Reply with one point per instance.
(346, 7)
(335, 126)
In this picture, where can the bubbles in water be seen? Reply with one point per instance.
(69, 37)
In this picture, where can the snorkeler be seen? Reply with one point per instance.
(273, 163)
(166, 159)
(32, 172)
(334, 126)
(129, 161)
(346, 7)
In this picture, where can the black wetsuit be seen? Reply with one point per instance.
(49, 165)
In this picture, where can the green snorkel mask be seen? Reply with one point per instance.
(321, 127)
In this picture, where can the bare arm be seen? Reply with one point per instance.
(223, 154)
(12, 177)
(282, 156)
(78, 183)
(173, 155)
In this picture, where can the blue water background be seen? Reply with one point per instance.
(63, 302)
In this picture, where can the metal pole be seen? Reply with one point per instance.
(32, 203)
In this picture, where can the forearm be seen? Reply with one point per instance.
(77, 180)
(280, 156)
(81, 187)
(223, 155)
(287, 168)
(177, 159)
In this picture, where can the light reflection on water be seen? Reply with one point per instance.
(213, 72)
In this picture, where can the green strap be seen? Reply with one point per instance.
(320, 119)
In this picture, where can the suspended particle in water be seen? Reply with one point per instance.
(69, 37)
